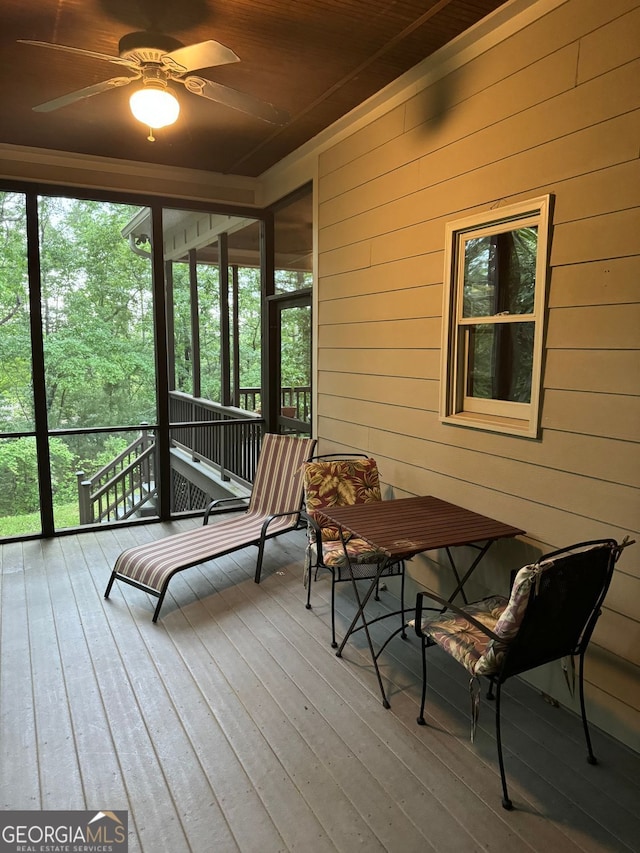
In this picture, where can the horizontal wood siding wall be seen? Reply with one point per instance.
(554, 108)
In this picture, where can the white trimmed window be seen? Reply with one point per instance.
(493, 318)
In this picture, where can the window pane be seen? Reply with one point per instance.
(293, 236)
(499, 358)
(295, 362)
(499, 273)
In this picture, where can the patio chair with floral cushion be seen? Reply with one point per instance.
(274, 508)
(550, 615)
(342, 482)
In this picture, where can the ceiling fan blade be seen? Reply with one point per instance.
(104, 56)
(206, 54)
(236, 100)
(72, 97)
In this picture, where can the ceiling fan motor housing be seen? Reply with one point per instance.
(146, 46)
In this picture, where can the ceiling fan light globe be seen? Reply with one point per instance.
(154, 107)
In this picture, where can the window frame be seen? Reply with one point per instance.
(456, 407)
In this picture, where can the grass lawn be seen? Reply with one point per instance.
(20, 525)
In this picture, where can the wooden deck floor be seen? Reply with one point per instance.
(230, 725)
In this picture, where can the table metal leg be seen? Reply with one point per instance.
(482, 550)
(362, 603)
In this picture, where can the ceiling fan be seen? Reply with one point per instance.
(157, 61)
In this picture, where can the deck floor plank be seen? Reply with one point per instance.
(344, 794)
(295, 760)
(96, 756)
(57, 750)
(231, 726)
(256, 754)
(256, 748)
(433, 772)
(545, 759)
(176, 755)
(355, 756)
(19, 767)
(151, 802)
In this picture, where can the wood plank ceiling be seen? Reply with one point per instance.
(316, 60)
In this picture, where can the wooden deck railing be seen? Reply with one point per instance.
(122, 486)
(226, 438)
(295, 401)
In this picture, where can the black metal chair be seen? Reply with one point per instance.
(342, 482)
(550, 614)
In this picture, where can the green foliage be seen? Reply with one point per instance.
(249, 332)
(18, 472)
(296, 346)
(16, 397)
(97, 318)
(250, 328)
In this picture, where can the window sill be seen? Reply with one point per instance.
(492, 423)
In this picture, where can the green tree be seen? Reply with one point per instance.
(16, 397)
(250, 327)
(97, 319)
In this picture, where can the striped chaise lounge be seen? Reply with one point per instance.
(274, 508)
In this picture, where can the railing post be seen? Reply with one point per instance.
(192, 417)
(145, 442)
(84, 498)
(224, 453)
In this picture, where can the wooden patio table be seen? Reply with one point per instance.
(404, 527)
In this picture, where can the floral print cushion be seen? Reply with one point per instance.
(461, 638)
(359, 551)
(510, 620)
(477, 652)
(342, 482)
(360, 554)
